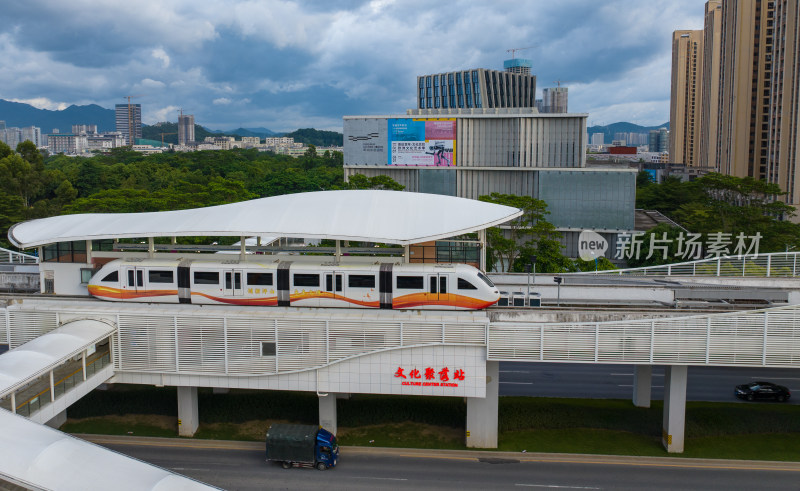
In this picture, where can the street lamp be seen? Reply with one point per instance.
(528, 267)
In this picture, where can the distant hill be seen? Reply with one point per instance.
(21, 115)
(259, 132)
(319, 138)
(622, 127)
(153, 132)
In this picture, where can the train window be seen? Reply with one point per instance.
(112, 276)
(159, 276)
(268, 348)
(361, 281)
(206, 278)
(410, 282)
(485, 279)
(465, 285)
(306, 279)
(259, 279)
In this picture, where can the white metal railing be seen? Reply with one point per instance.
(769, 337)
(774, 264)
(241, 345)
(263, 345)
(12, 257)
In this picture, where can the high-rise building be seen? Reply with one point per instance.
(684, 111)
(598, 138)
(475, 88)
(759, 84)
(554, 100)
(185, 129)
(518, 65)
(709, 91)
(129, 121)
(32, 134)
(658, 140)
(84, 129)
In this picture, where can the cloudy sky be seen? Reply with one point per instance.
(285, 65)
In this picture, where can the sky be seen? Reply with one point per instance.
(285, 65)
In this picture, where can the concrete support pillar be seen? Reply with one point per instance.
(58, 420)
(327, 412)
(482, 413)
(188, 415)
(672, 430)
(151, 247)
(642, 385)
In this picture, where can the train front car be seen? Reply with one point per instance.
(145, 280)
(442, 286)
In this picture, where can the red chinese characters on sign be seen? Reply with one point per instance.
(430, 377)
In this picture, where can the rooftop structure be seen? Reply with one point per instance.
(379, 216)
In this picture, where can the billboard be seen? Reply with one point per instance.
(423, 142)
(365, 141)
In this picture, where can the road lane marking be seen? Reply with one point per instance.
(633, 464)
(514, 371)
(517, 383)
(554, 486)
(776, 378)
(380, 478)
(630, 375)
(629, 385)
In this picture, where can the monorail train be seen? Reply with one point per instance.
(301, 284)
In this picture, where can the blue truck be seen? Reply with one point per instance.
(306, 445)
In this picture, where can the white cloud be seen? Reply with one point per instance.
(168, 113)
(43, 103)
(222, 101)
(162, 55)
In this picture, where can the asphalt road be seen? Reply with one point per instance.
(240, 466)
(596, 381)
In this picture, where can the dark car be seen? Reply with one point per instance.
(761, 391)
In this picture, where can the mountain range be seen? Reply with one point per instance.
(610, 129)
(19, 114)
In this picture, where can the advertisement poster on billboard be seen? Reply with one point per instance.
(428, 142)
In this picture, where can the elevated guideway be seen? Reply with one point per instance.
(728, 281)
(340, 351)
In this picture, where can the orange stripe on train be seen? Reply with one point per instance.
(120, 294)
(447, 299)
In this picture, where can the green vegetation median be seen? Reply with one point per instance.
(598, 426)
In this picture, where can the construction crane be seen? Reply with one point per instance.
(514, 50)
(162, 137)
(132, 139)
(559, 82)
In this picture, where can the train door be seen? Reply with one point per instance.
(133, 281)
(233, 282)
(334, 284)
(438, 288)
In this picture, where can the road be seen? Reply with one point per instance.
(240, 466)
(616, 381)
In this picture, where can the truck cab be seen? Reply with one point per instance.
(327, 449)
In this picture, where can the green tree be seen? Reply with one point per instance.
(360, 181)
(20, 178)
(525, 233)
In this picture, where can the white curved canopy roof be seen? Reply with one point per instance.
(39, 457)
(393, 217)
